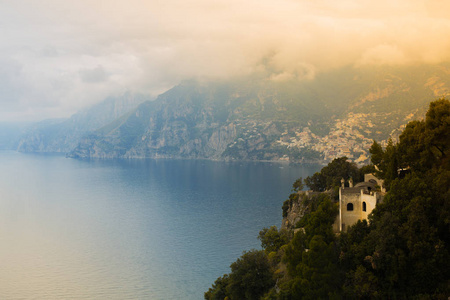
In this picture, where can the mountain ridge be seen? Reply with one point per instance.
(337, 113)
(254, 119)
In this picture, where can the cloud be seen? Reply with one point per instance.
(11, 84)
(59, 56)
(383, 55)
(94, 75)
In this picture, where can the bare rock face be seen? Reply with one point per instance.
(181, 124)
(296, 208)
(221, 138)
(296, 211)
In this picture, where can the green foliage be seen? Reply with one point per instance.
(311, 256)
(401, 253)
(376, 152)
(298, 185)
(300, 154)
(386, 161)
(288, 203)
(318, 272)
(272, 239)
(362, 284)
(316, 182)
(321, 220)
(218, 291)
(251, 276)
(330, 176)
(409, 238)
(405, 248)
(424, 144)
(368, 169)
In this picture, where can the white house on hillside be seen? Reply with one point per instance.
(357, 202)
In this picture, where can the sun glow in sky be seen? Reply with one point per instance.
(59, 56)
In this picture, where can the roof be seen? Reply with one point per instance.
(352, 190)
(366, 186)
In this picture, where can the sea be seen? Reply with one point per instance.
(131, 229)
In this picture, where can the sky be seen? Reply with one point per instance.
(57, 57)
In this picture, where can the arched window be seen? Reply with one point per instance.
(349, 206)
(364, 206)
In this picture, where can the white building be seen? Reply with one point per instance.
(356, 203)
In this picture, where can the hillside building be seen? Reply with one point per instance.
(357, 202)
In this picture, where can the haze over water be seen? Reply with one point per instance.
(130, 229)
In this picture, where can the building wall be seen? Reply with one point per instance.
(349, 218)
(371, 202)
(380, 182)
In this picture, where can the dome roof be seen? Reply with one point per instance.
(366, 185)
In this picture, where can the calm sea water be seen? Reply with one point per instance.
(130, 229)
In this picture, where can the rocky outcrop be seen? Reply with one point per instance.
(296, 207)
(295, 210)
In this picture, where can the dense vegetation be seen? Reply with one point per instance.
(401, 253)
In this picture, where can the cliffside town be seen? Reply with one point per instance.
(351, 136)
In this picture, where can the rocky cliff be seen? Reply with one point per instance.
(338, 113)
(256, 118)
(216, 121)
(63, 135)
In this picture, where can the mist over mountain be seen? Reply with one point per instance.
(62, 135)
(265, 117)
(57, 57)
(10, 132)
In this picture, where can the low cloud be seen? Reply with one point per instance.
(59, 56)
(94, 75)
(383, 55)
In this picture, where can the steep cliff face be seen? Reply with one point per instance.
(295, 210)
(230, 120)
(182, 123)
(336, 114)
(63, 135)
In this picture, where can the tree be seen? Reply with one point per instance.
(386, 161)
(425, 144)
(437, 124)
(362, 284)
(251, 276)
(218, 291)
(316, 182)
(311, 257)
(298, 185)
(318, 272)
(368, 169)
(321, 220)
(402, 252)
(406, 249)
(331, 175)
(272, 239)
(377, 154)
